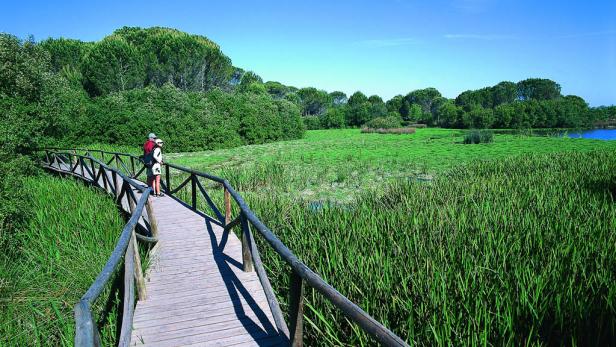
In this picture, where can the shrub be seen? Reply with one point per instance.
(478, 136)
(312, 122)
(384, 123)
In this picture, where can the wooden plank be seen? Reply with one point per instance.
(205, 298)
(161, 315)
(206, 324)
(187, 293)
(217, 335)
(199, 312)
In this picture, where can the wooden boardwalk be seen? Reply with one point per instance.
(197, 292)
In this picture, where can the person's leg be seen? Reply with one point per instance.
(157, 184)
(150, 182)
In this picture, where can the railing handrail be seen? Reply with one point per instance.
(127, 179)
(86, 333)
(348, 308)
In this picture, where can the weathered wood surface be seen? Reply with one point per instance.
(197, 293)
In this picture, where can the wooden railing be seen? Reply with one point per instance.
(140, 217)
(300, 274)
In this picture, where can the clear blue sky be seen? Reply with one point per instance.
(383, 47)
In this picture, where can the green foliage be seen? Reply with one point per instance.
(357, 113)
(375, 99)
(23, 68)
(291, 122)
(112, 65)
(276, 89)
(384, 123)
(478, 136)
(424, 98)
(538, 89)
(66, 56)
(190, 121)
(504, 93)
(395, 104)
(248, 79)
(314, 102)
(478, 117)
(357, 98)
(189, 62)
(63, 244)
(312, 122)
(338, 98)
(333, 118)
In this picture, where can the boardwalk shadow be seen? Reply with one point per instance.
(261, 330)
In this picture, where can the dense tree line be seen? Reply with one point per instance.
(132, 82)
(531, 103)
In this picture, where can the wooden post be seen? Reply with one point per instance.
(47, 157)
(82, 164)
(131, 203)
(296, 310)
(132, 165)
(167, 178)
(227, 206)
(151, 218)
(141, 291)
(246, 254)
(193, 181)
(117, 160)
(75, 157)
(93, 172)
(114, 178)
(104, 177)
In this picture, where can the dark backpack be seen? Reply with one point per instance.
(148, 159)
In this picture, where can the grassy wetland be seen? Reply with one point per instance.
(68, 239)
(514, 250)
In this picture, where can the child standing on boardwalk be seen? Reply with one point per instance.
(157, 166)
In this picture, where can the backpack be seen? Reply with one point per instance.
(148, 159)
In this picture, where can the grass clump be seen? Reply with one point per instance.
(389, 130)
(479, 136)
(66, 241)
(384, 123)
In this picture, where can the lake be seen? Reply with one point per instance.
(598, 134)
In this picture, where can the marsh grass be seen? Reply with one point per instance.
(515, 251)
(339, 164)
(478, 136)
(63, 248)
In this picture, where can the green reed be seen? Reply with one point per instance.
(68, 240)
(514, 251)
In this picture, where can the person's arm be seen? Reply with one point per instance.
(158, 155)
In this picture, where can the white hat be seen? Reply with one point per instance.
(159, 142)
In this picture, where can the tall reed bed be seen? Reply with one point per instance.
(63, 248)
(518, 251)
